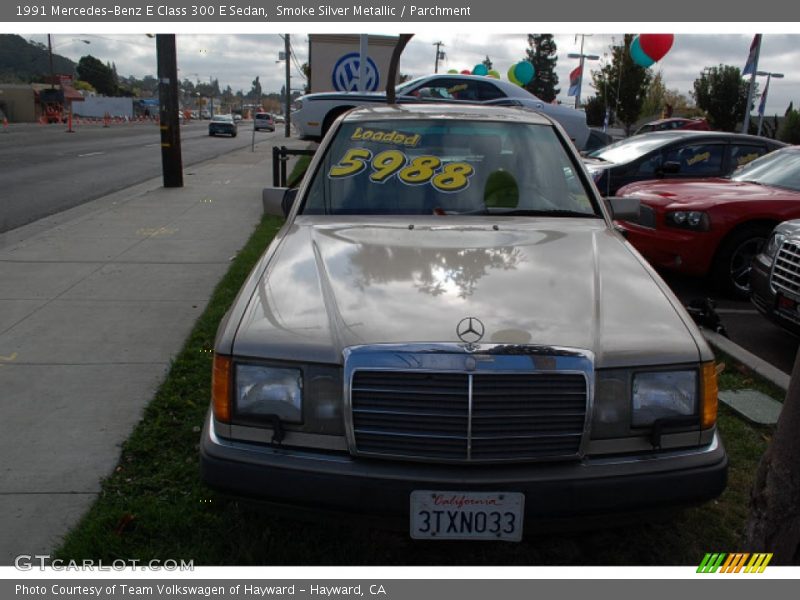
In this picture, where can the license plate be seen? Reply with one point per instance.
(467, 515)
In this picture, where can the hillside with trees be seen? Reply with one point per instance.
(22, 61)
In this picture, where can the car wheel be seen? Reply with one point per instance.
(731, 269)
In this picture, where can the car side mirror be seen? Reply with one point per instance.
(624, 209)
(671, 167)
(278, 201)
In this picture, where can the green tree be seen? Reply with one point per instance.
(790, 129)
(98, 75)
(654, 100)
(541, 53)
(255, 91)
(595, 111)
(622, 84)
(722, 94)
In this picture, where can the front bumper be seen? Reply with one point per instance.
(765, 299)
(339, 482)
(678, 250)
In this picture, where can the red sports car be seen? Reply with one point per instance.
(716, 226)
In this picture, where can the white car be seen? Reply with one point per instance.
(316, 112)
(263, 120)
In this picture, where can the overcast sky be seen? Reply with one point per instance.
(236, 59)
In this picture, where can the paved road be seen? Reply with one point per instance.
(46, 170)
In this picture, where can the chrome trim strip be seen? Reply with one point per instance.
(469, 416)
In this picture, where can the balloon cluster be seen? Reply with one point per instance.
(520, 74)
(480, 69)
(649, 48)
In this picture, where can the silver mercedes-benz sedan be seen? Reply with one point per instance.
(449, 330)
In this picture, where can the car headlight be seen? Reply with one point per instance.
(265, 391)
(298, 104)
(663, 394)
(688, 219)
(773, 244)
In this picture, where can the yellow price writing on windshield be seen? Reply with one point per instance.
(452, 177)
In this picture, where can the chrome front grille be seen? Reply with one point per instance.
(786, 269)
(471, 417)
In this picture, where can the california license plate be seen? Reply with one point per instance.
(467, 515)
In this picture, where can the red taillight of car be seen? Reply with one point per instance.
(220, 388)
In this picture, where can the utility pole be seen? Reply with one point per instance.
(52, 71)
(171, 162)
(287, 107)
(439, 55)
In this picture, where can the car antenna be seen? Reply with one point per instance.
(393, 64)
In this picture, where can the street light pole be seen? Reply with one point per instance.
(582, 58)
(171, 161)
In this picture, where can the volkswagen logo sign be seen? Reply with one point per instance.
(470, 330)
(345, 74)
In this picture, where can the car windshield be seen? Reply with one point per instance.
(781, 169)
(262, 116)
(448, 167)
(222, 118)
(631, 148)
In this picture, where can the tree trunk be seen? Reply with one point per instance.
(773, 524)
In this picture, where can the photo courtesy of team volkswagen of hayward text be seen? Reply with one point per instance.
(285, 286)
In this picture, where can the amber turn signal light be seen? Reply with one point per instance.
(709, 398)
(220, 388)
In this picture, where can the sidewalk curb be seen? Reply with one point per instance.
(763, 368)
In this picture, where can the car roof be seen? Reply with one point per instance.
(441, 110)
(678, 134)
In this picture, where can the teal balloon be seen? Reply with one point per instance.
(638, 55)
(480, 70)
(524, 72)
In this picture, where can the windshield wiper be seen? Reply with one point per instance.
(552, 212)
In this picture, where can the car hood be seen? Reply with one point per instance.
(553, 282)
(704, 192)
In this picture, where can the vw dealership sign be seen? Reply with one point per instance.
(345, 74)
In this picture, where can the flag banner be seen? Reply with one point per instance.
(752, 59)
(575, 81)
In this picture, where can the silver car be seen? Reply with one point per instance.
(448, 330)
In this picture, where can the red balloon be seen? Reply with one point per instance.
(656, 45)
(466, 72)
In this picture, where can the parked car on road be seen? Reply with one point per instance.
(674, 123)
(673, 154)
(716, 226)
(222, 124)
(448, 330)
(316, 112)
(263, 120)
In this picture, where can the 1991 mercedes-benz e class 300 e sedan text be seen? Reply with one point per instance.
(449, 330)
